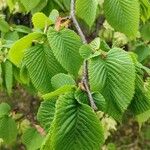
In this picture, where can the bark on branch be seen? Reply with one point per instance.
(85, 64)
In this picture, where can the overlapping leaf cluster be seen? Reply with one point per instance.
(50, 59)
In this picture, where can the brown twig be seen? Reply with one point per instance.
(99, 23)
(85, 64)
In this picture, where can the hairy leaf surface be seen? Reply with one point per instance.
(65, 45)
(76, 126)
(113, 75)
(123, 15)
(62, 79)
(42, 66)
(86, 10)
(46, 113)
(44, 20)
(16, 52)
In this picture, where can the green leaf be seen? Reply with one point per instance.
(8, 76)
(123, 15)
(145, 10)
(30, 4)
(16, 52)
(99, 100)
(4, 109)
(24, 76)
(54, 15)
(145, 31)
(86, 10)
(76, 126)
(66, 3)
(4, 26)
(104, 46)
(143, 52)
(50, 6)
(62, 79)
(95, 44)
(1, 76)
(46, 113)
(40, 6)
(32, 139)
(113, 75)
(22, 29)
(62, 90)
(8, 129)
(85, 51)
(140, 105)
(44, 20)
(42, 66)
(65, 45)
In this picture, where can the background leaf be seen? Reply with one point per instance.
(140, 105)
(32, 139)
(86, 10)
(8, 129)
(123, 15)
(4, 109)
(8, 76)
(30, 4)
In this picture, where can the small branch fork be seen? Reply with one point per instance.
(85, 64)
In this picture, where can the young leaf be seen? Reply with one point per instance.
(85, 51)
(71, 126)
(62, 90)
(62, 79)
(16, 52)
(123, 15)
(32, 139)
(8, 129)
(95, 44)
(99, 100)
(65, 45)
(42, 66)
(46, 112)
(113, 75)
(54, 15)
(44, 20)
(86, 10)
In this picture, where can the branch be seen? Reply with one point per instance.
(85, 64)
(99, 23)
